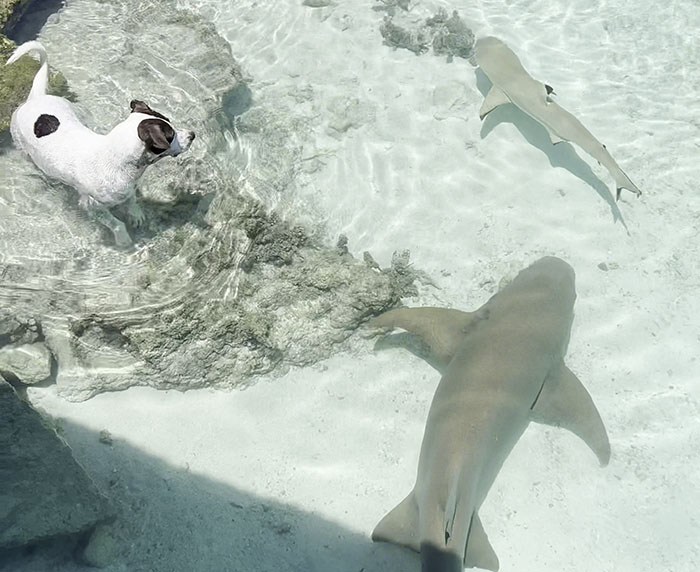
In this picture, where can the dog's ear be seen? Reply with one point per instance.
(156, 134)
(138, 106)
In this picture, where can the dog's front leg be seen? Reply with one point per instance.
(134, 212)
(121, 236)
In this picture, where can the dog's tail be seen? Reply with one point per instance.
(40, 85)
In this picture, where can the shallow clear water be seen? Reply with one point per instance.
(347, 135)
(358, 140)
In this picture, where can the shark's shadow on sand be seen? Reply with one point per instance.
(561, 155)
(173, 520)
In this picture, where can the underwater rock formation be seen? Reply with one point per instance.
(390, 6)
(316, 3)
(448, 35)
(416, 40)
(265, 296)
(452, 37)
(28, 363)
(17, 329)
(46, 494)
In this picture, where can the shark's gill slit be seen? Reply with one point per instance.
(538, 395)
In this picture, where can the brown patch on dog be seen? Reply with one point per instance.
(156, 134)
(45, 125)
(138, 106)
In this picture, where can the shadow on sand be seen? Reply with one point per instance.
(561, 155)
(172, 520)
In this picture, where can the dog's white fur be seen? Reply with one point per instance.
(102, 168)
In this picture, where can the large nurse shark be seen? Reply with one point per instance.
(512, 84)
(503, 366)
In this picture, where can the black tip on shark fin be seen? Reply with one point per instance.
(617, 195)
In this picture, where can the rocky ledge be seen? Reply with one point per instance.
(16, 80)
(46, 494)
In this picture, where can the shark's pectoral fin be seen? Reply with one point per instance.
(479, 553)
(553, 137)
(400, 525)
(564, 402)
(494, 98)
(441, 329)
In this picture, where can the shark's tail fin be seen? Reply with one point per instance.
(40, 85)
(400, 525)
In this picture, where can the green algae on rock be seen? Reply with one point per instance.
(11, 11)
(16, 80)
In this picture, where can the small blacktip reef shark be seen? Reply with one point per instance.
(512, 84)
(503, 366)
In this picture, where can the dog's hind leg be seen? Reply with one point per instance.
(121, 236)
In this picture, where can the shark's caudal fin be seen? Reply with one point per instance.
(441, 329)
(40, 85)
(564, 402)
(479, 553)
(400, 525)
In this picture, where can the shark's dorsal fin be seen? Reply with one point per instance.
(479, 552)
(400, 525)
(564, 402)
(494, 98)
(441, 329)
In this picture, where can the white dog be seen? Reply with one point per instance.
(103, 168)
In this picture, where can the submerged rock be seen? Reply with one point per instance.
(29, 363)
(452, 36)
(45, 493)
(316, 3)
(265, 296)
(416, 40)
(390, 6)
(17, 329)
(448, 35)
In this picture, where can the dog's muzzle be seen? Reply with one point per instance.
(181, 142)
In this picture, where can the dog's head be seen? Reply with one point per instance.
(158, 135)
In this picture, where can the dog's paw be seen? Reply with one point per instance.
(135, 214)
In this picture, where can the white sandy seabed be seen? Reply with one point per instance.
(294, 472)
